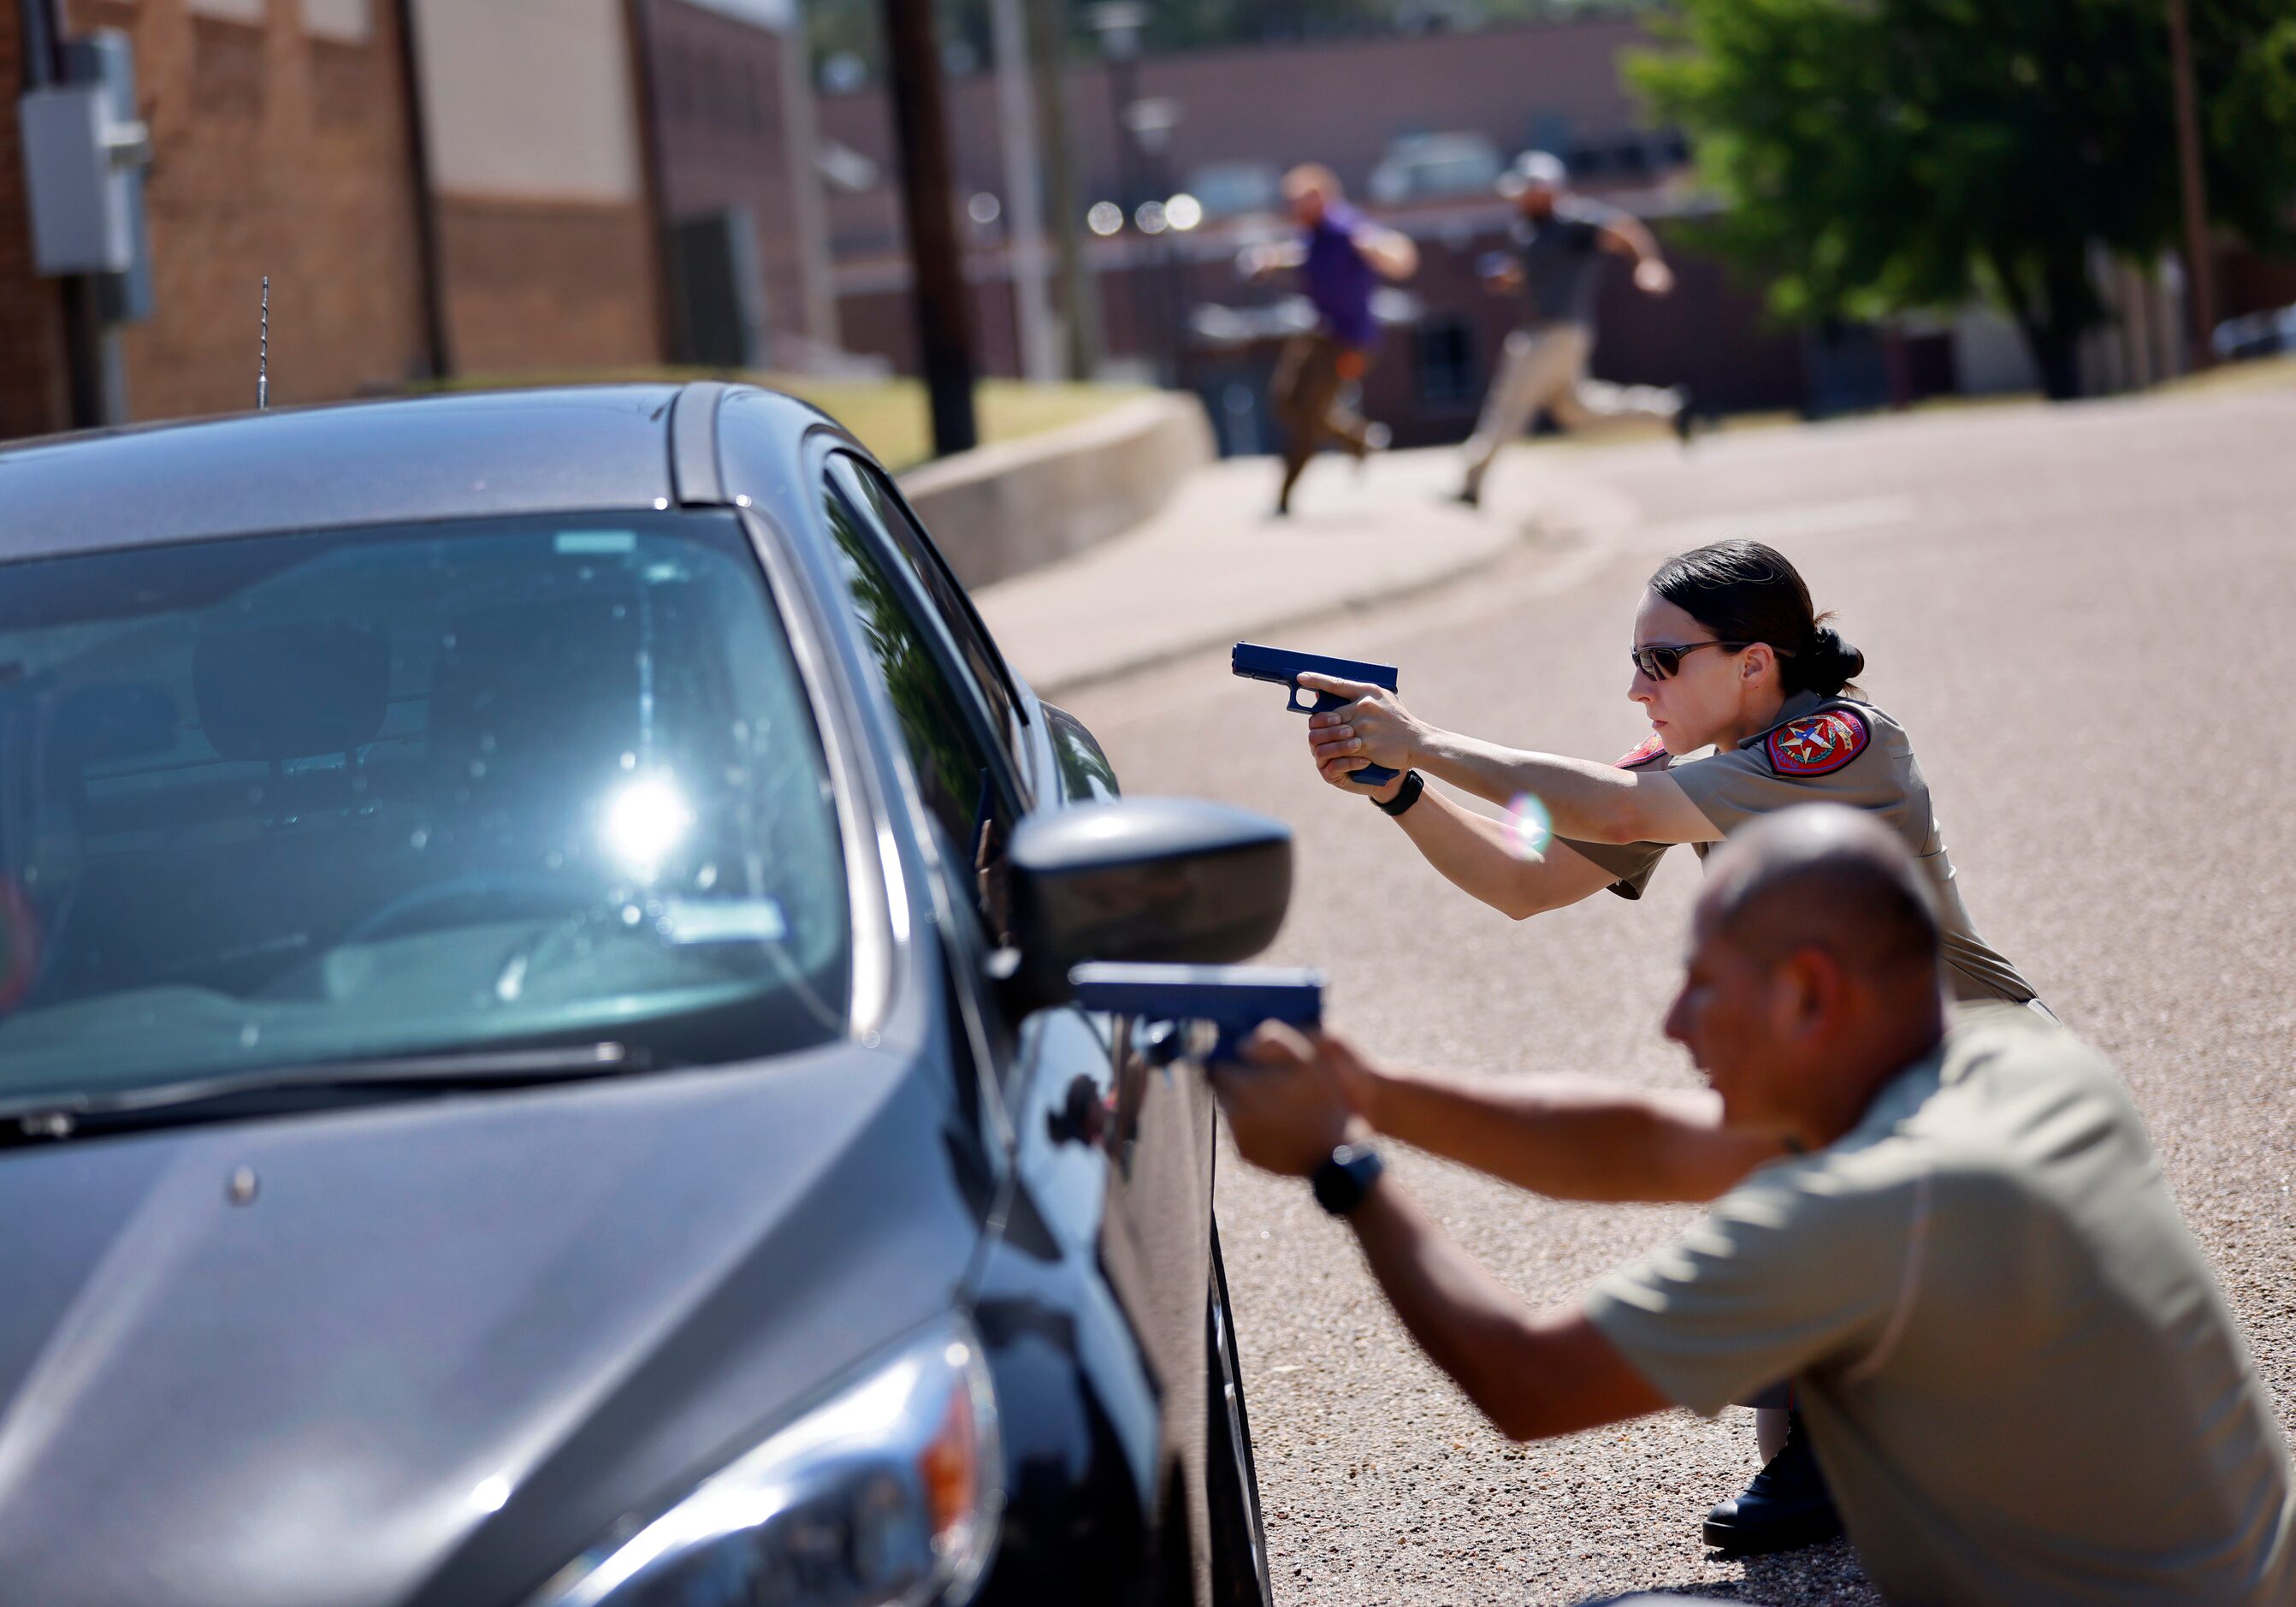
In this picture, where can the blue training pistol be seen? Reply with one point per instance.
(1283, 667)
(1232, 998)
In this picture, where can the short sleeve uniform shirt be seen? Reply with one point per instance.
(1824, 749)
(2018, 1373)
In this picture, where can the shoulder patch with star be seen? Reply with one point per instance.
(1648, 749)
(1818, 745)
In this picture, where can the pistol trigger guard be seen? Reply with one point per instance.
(1325, 702)
(1296, 692)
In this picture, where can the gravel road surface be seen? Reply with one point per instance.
(2086, 617)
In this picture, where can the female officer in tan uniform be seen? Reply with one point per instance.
(1728, 654)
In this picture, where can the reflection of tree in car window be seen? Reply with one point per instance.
(982, 670)
(953, 772)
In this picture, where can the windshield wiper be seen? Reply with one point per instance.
(213, 1098)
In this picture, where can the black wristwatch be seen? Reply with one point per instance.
(1341, 1181)
(1406, 795)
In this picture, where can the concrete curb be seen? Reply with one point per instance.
(1002, 510)
(1212, 568)
(1117, 665)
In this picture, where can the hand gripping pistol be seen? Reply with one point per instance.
(1233, 999)
(1283, 668)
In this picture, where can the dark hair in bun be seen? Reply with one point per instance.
(1744, 591)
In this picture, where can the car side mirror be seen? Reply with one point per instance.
(1176, 880)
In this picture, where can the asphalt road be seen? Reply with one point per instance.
(2086, 616)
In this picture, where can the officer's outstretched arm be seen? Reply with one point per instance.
(1564, 1137)
(1591, 801)
(1487, 859)
(1534, 1375)
(1531, 1375)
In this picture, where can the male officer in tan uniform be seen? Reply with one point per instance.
(1950, 1230)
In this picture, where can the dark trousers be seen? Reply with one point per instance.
(1309, 375)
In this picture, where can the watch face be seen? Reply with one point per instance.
(1341, 1181)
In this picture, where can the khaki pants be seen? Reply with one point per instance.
(1546, 367)
(1309, 375)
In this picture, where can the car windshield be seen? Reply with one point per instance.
(343, 795)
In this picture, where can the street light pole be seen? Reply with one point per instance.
(1048, 53)
(2200, 264)
(1040, 357)
(928, 195)
(1119, 24)
(1151, 122)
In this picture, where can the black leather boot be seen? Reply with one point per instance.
(1787, 1505)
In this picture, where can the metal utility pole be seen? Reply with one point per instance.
(94, 369)
(1048, 53)
(638, 22)
(2200, 262)
(1024, 234)
(928, 195)
(431, 271)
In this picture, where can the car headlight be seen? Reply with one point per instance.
(888, 1492)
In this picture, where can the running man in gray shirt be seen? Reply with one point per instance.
(1558, 242)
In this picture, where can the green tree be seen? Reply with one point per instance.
(1880, 156)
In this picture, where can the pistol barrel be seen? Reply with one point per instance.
(1234, 998)
(1284, 667)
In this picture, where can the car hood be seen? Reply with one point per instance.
(447, 1344)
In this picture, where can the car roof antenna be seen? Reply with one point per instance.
(263, 353)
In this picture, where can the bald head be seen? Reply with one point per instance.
(1312, 176)
(1311, 189)
(1824, 877)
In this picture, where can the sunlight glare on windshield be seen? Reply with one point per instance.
(645, 820)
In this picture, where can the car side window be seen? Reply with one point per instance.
(962, 779)
(877, 502)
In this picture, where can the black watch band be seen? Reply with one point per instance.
(1406, 795)
(1343, 1180)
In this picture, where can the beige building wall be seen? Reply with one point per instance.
(537, 159)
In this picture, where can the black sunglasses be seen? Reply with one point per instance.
(1660, 663)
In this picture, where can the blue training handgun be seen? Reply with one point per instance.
(1285, 668)
(1233, 999)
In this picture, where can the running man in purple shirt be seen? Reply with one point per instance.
(1341, 256)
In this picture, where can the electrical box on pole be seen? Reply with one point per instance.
(85, 151)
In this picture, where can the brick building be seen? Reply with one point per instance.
(538, 164)
(285, 143)
(279, 148)
(1363, 106)
(1357, 105)
(733, 114)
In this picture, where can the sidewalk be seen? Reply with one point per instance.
(1215, 567)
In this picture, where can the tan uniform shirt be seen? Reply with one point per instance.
(2019, 1377)
(1824, 749)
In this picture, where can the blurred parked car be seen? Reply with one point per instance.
(534, 1058)
(1236, 189)
(1427, 167)
(2257, 335)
